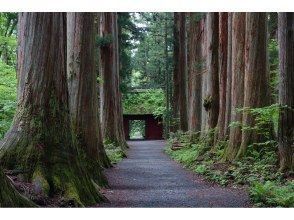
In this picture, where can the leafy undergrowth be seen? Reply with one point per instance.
(114, 153)
(257, 171)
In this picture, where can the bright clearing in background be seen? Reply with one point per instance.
(137, 129)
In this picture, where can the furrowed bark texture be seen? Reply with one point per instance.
(182, 73)
(41, 142)
(175, 97)
(286, 91)
(212, 63)
(111, 106)
(194, 101)
(237, 88)
(256, 74)
(83, 91)
(223, 55)
(229, 77)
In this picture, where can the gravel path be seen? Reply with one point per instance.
(149, 178)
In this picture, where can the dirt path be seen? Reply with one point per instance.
(149, 178)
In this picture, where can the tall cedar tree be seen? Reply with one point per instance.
(40, 142)
(212, 64)
(176, 80)
(286, 91)
(256, 91)
(83, 90)
(229, 77)
(194, 73)
(237, 86)
(182, 62)
(110, 95)
(223, 55)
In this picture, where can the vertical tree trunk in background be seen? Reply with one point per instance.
(41, 140)
(194, 101)
(175, 124)
(256, 74)
(286, 91)
(111, 108)
(229, 77)
(9, 197)
(212, 63)
(83, 93)
(223, 55)
(237, 87)
(182, 59)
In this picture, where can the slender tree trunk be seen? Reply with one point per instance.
(212, 63)
(9, 197)
(41, 142)
(286, 91)
(111, 107)
(195, 74)
(175, 122)
(182, 73)
(229, 77)
(237, 87)
(83, 93)
(223, 55)
(256, 74)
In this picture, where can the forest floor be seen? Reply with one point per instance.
(149, 178)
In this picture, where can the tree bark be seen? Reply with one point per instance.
(111, 106)
(237, 87)
(194, 72)
(175, 97)
(223, 55)
(41, 140)
(212, 63)
(229, 77)
(256, 92)
(182, 73)
(286, 91)
(83, 93)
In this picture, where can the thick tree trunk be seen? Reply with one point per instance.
(286, 91)
(223, 55)
(83, 93)
(237, 87)
(194, 101)
(256, 74)
(111, 107)
(182, 59)
(175, 97)
(229, 77)
(41, 142)
(9, 197)
(212, 63)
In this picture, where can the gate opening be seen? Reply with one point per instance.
(137, 129)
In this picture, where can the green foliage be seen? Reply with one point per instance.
(150, 101)
(104, 41)
(7, 97)
(114, 153)
(272, 194)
